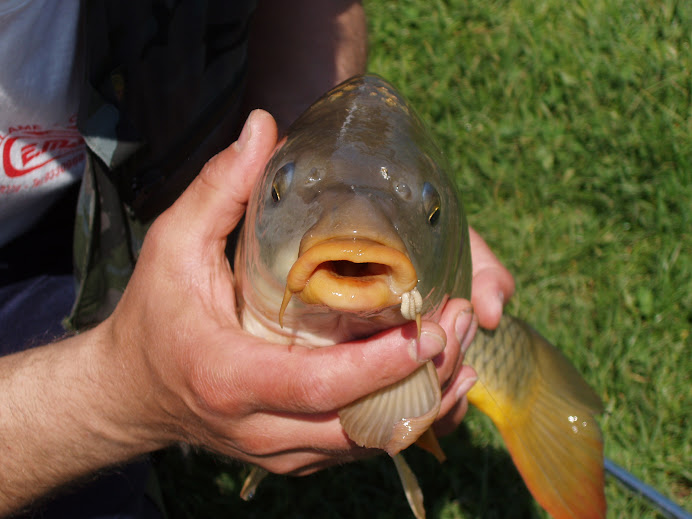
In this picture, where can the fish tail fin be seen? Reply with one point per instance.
(414, 495)
(545, 413)
(257, 474)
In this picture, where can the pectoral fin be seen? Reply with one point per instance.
(549, 427)
(396, 416)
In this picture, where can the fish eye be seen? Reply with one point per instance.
(431, 203)
(282, 179)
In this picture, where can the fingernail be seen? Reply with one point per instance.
(245, 134)
(465, 386)
(428, 346)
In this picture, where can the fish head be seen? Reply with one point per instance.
(354, 216)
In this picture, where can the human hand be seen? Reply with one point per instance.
(193, 375)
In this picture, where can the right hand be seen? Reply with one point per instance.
(183, 369)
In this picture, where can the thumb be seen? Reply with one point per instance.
(215, 201)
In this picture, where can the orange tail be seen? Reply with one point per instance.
(546, 418)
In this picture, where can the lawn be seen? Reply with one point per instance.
(569, 126)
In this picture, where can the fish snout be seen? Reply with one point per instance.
(352, 274)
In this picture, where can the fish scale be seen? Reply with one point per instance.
(499, 358)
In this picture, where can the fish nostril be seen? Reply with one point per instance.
(345, 268)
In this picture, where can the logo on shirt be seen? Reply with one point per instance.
(47, 153)
(27, 149)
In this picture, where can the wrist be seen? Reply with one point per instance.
(130, 417)
(64, 410)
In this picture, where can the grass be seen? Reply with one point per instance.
(570, 128)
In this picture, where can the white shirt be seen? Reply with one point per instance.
(41, 151)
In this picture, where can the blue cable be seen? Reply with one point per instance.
(665, 505)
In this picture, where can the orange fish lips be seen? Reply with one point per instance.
(351, 274)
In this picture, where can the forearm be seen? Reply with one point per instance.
(299, 50)
(62, 416)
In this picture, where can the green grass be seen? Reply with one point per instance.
(570, 127)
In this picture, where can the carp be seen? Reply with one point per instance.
(356, 226)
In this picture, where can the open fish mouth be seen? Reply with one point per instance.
(351, 274)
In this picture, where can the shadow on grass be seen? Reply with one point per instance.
(474, 482)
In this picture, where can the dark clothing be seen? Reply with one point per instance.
(161, 95)
(46, 249)
(164, 82)
(32, 310)
(118, 494)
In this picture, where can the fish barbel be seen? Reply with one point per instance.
(356, 227)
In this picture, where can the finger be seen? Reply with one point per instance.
(341, 459)
(493, 284)
(307, 461)
(450, 421)
(297, 379)
(454, 402)
(456, 320)
(215, 201)
(270, 434)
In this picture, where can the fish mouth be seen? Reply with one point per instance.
(351, 274)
